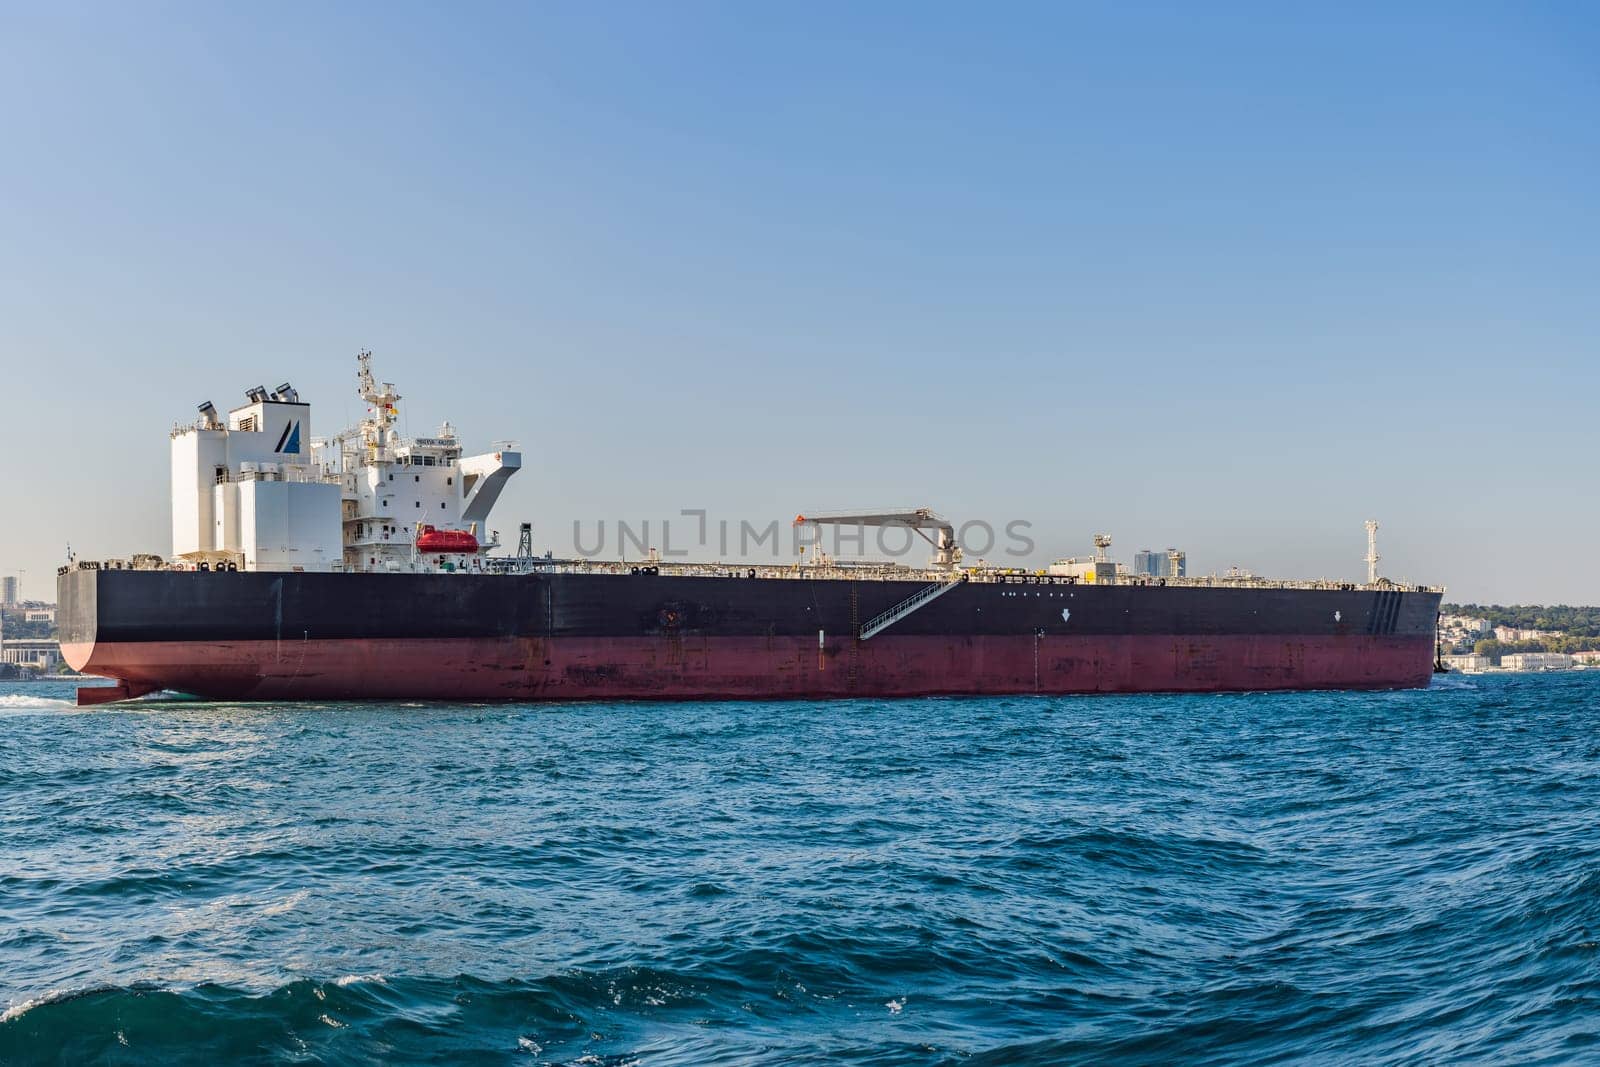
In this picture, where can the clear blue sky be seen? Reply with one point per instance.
(1228, 277)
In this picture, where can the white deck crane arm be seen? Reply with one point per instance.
(946, 552)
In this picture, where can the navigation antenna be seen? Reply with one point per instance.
(1101, 543)
(1372, 551)
(364, 373)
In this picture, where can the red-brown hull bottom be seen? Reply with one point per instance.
(755, 667)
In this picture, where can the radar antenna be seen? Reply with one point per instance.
(1101, 543)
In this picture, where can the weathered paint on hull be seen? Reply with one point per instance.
(689, 667)
(585, 636)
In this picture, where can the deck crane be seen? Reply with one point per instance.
(946, 553)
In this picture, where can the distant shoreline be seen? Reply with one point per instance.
(91, 678)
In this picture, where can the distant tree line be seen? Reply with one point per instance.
(1495, 648)
(1578, 628)
(17, 629)
(1571, 621)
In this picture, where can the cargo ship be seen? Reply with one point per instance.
(360, 566)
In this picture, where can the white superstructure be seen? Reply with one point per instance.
(259, 493)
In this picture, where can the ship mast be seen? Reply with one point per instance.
(377, 429)
(1372, 551)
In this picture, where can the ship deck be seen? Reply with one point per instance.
(837, 570)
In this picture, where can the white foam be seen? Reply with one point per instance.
(21, 1008)
(31, 703)
(18, 1010)
(350, 979)
(896, 1006)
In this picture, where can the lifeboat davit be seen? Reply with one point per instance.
(432, 539)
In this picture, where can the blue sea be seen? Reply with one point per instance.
(1408, 877)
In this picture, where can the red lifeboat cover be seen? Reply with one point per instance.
(431, 539)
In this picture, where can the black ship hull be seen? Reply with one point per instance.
(563, 636)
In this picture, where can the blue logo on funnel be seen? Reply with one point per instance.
(290, 441)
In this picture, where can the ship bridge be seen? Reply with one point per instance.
(258, 493)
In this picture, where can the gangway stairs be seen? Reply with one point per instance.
(920, 599)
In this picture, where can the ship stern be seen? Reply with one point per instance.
(78, 623)
(77, 589)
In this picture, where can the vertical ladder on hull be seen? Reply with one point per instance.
(855, 645)
(920, 599)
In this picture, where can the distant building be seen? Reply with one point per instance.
(1588, 658)
(1462, 631)
(1469, 664)
(8, 591)
(44, 614)
(1512, 633)
(1536, 661)
(40, 655)
(1168, 564)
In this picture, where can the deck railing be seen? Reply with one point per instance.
(501, 565)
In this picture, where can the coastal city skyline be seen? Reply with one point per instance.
(1231, 280)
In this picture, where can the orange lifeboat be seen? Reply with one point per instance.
(433, 539)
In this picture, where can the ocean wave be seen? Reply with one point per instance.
(350, 1019)
(1321, 877)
